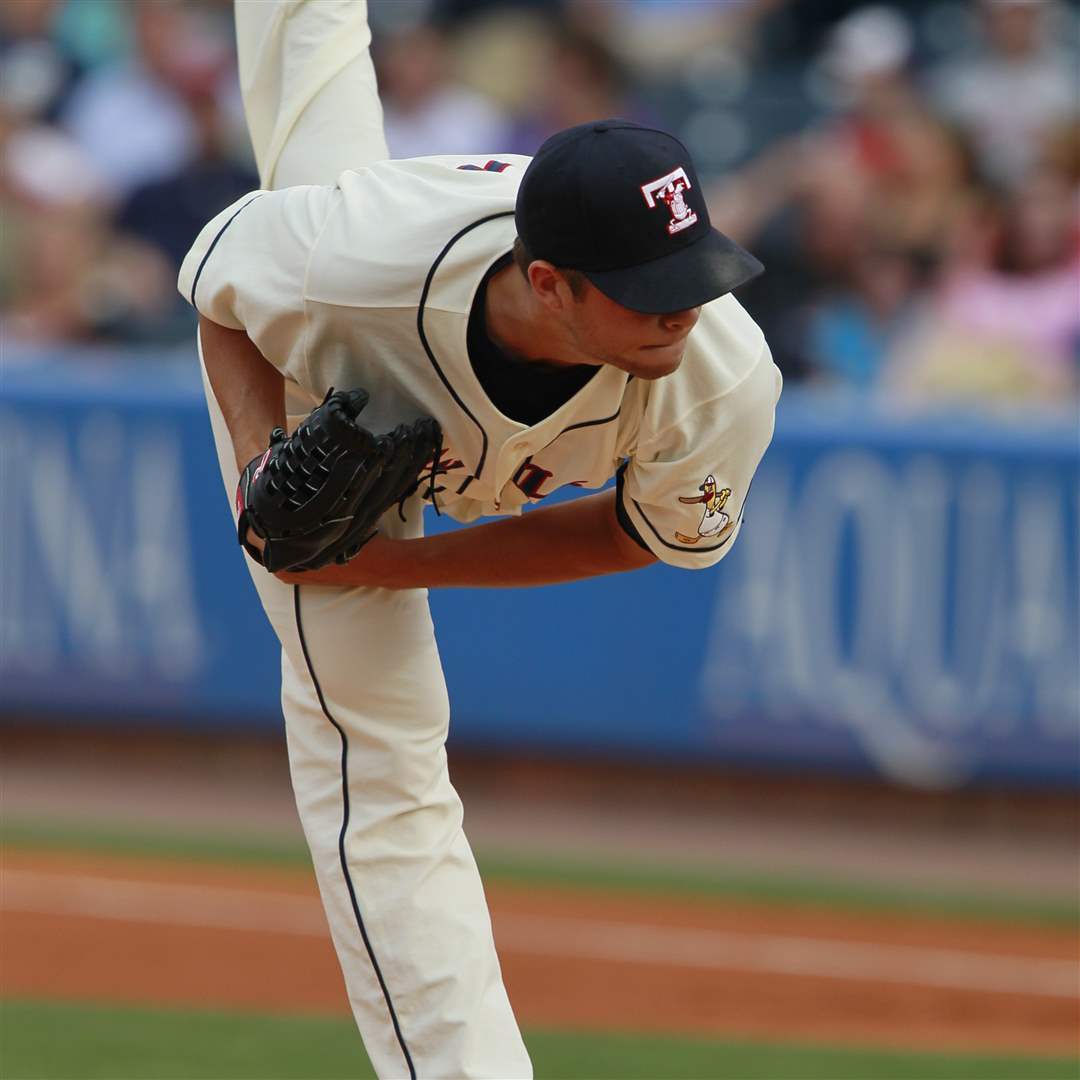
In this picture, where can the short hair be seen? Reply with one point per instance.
(574, 278)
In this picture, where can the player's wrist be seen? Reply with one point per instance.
(249, 446)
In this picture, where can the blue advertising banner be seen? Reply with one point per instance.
(902, 599)
(122, 594)
(910, 593)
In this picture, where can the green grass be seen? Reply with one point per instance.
(156, 843)
(775, 889)
(56, 1041)
(572, 872)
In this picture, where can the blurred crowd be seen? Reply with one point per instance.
(908, 173)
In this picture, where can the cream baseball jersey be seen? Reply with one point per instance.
(370, 283)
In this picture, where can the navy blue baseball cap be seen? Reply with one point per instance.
(622, 203)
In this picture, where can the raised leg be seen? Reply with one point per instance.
(310, 97)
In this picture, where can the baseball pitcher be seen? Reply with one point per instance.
(470, 334)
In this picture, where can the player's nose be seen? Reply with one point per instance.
(680, 322)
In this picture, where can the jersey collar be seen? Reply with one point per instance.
(491, 445)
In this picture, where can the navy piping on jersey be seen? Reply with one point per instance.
(341, 837)
(621, 515)
(221, 231)
(572, 427)
(591, 423)
(431, 356)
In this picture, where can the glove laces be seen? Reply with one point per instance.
(430, 477)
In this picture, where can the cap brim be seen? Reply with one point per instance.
(687, 278)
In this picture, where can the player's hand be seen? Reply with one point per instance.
(255, 540)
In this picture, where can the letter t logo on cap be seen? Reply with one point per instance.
(669, 190)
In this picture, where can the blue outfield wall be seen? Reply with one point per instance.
(902, 598)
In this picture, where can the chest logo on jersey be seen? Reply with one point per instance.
(669, 191)
(713, 519)
(488, 166)
(447, 461)
(531, 479)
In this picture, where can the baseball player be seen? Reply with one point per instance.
(565, 320)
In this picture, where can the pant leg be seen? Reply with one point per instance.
(363, 692)
(366, 718)
(309, 90)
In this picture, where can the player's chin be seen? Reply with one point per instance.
(656, 363)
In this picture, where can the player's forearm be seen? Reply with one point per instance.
(248, 388)
(566, 542)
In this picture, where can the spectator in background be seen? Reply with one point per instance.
(132, 119)
(425, 110)
(851, 330)
(1005, 326)
(1018, 84)
(883, 231)
(97, 32)
(655, 38)
(456, 12)
(849, 217)
(913, 172)
(37, 73)
(882, 255)
(584, 81)
(65, 277)
(169, 213)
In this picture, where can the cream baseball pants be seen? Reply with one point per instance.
(362, 688)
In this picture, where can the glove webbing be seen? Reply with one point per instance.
(288, 475)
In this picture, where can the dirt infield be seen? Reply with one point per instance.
(103, 928)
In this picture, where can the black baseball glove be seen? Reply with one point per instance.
(316, 496)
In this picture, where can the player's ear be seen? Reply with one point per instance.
(548, 285)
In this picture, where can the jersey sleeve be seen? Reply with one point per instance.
(681, 494)
(247, 269)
